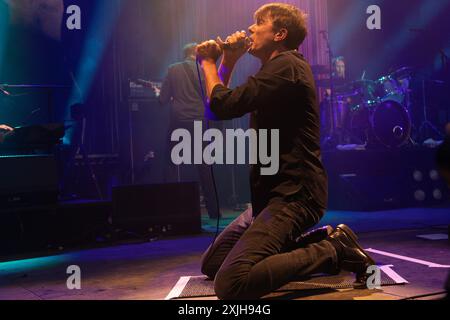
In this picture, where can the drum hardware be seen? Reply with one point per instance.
(333, 134)
(376, 112)
(426, 124)
(387, 123)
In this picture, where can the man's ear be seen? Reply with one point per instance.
(281, 35)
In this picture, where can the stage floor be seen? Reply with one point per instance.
(149, 271)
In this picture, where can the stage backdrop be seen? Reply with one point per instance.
(154, 32)
(119, 40)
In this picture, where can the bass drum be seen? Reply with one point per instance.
(387, 123)
(391, 124)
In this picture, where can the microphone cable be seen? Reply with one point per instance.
(205, 104)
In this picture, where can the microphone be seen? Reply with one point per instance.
(6, 93)
(233, 46)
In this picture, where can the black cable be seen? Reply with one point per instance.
(205, 104)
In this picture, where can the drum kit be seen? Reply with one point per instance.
(369, 112)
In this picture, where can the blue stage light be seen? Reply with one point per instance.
(106, 13)
(428, 11)
(352, 17)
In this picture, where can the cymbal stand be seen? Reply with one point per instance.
(426, 123)
(332, 135)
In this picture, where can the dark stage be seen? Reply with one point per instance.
(150, 270)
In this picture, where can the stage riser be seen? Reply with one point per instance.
(382, 180)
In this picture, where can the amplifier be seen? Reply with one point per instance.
(147, 141)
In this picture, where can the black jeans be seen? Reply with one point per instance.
(253, 257)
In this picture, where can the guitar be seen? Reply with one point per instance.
(155, 86)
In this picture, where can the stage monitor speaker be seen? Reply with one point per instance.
(170, 209)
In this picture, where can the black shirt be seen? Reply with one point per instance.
(181, 87)
(282, 95)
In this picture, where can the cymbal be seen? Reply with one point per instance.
(364, 83)
(402, 72)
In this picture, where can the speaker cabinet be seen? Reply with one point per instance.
(170, 209)
(147, 141)
(383, 180)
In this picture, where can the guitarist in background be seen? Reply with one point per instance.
(182, 90)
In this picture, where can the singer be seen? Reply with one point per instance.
(264, 248)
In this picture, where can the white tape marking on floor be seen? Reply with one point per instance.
(178, 289)
(423, 262)
(393, 275)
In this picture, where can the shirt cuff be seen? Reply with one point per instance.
(218, 91)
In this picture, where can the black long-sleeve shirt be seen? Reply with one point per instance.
(282, 95)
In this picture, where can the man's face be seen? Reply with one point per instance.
(340, 69)
(262, 37)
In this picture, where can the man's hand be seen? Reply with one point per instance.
(209, 51)
(4, 127)
(157, 91)
(235, 46)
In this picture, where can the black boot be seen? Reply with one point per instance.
(351, 256)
